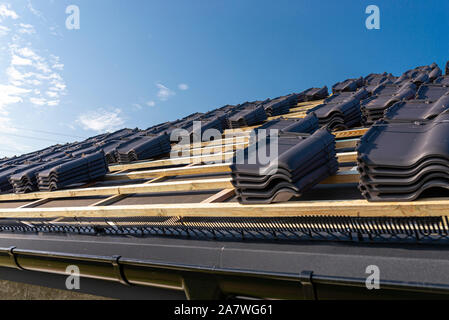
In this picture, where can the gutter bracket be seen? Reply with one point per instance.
(13, 258)
(308, 288)
(118, 269)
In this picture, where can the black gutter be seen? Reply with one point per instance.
(203, 282)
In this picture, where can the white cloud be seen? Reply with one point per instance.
(26, 28)
(42, 66)
(10, 94)
(6, 12)
(183, 87)
(10, 147)
(30, 76)
(164, 93)
(19, 61)
(33, 71)
(27, 52)
(38, 101)
(14, 75)
(101, 120)
(53, 103)
(58, 66)
(54, 31)
(4, 31)
(52, 94)
(34, 11)
(6, 126)
(58, 85)
(34, 82)
(151, 103)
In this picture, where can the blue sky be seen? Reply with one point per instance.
(138, 63)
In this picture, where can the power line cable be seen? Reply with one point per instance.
(28, 137)
(49, 132)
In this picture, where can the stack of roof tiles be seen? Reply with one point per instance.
(84, 169)
(143, 147)
(431, 92)
(282, 105)
(6, 172)
(341, 110)
(21, 176)
(248, 114)
(420, 75)
(216, 120)
(417, 110)
(373, 80)
(407, 152)
(444, 80)
(309, 124)
(26, 180)
(384, 96)
(391, 90)
(313, 94)
(348, 85)
(398, 161)
(302, 161)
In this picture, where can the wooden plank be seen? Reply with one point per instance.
(354, 208)
(157, 179)
(109, 200)
(239, 132)
(303, 108)
(340, 143)
(347, 157)
(350, 133)
(285, 116)
(338, 134)
(307, 103)
(174, 161)
(192, 147)
(35, 203)
(346, 143)
(115, 198)
(209, 150)
(297, 113)
(221, 196)
(205, 184)
(296, 116)
(169, 172)
(121, 171)
(224, 141)
(223, 157)
(343, 176)
(348, 169)
(206, 169)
